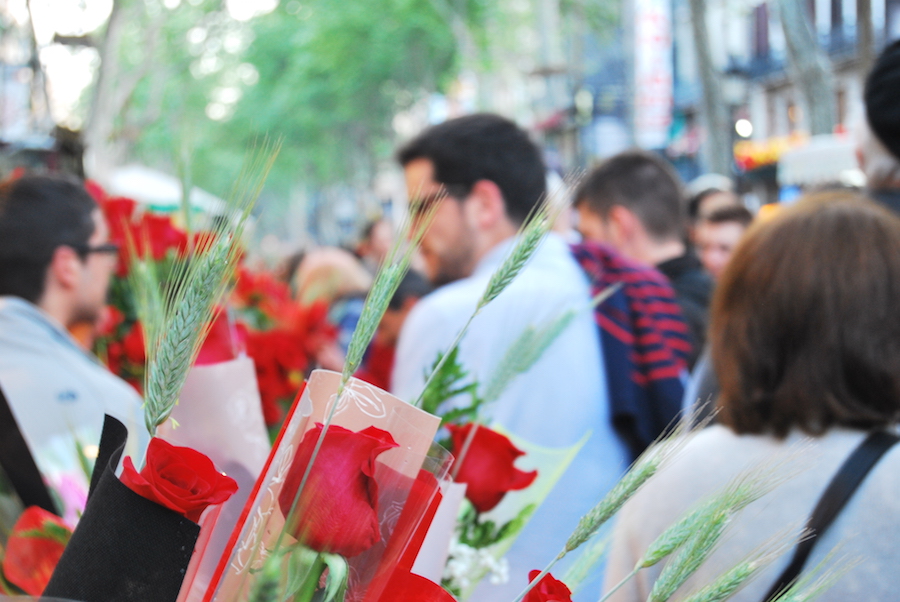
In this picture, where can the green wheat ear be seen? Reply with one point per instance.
(177, 321)
(387, 280)
(391, 272)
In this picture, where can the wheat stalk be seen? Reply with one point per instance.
(388, 278)
(176, 323)
(812, 583)
(530, 346)
(527, 241)
(644, 467)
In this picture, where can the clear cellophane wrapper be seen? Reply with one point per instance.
(407, 476)
(219, 414)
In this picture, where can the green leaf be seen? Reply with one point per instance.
(450, 379)
(477, 534)
(338, 574)
(301, 567)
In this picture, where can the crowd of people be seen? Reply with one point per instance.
(775, 329)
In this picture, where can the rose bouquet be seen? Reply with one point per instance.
(34, 546)
(137, 535)
(351, 508)
(147, 237)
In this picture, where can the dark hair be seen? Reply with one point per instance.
(805, 327)
(733, 213)
(641, 182)
(38, 214)
(413, 285)
(483, 147)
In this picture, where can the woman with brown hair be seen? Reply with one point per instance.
(805, 336)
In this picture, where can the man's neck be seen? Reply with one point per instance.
(655, 253)
(488, 241)
(55, 308)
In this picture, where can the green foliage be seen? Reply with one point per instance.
(480, 534)
(329, 78)
(449, 380)
(601, 17)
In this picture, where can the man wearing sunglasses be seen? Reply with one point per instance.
(479, 177)
(55, 267)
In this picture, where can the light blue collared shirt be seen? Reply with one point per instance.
(560, 399)
(58, 392)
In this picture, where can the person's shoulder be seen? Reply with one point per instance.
(450, 299)
(438, 314)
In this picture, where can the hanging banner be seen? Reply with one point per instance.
(653, 81)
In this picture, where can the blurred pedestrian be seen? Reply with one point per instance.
(804, 337)
(56, 262)
(375, 243)
(878, 133)
(718, 234)
(633, 201)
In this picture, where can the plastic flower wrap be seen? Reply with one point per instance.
(219, 414)
(387, 447)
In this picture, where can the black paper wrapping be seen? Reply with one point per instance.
(125, 548)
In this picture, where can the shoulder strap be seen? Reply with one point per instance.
(17, 462)
(848, 478)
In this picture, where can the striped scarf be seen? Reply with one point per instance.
(645, 344)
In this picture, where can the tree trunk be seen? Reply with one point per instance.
(98, 130)
(106, 142)
(716, 117)
(811, 68)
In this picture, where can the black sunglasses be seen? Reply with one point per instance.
(107, 247)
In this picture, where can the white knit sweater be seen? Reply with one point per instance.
(867, 529)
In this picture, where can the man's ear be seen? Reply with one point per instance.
(487, 204)
(65, 267)
(625, 225)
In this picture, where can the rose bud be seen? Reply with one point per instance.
(487, 467)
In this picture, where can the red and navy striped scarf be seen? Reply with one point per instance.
(645, 344)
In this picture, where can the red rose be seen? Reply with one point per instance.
(222, 343)
(110, 319)
(161, 234)
(337, 512)
(34, 546)
(487, 467)
(406, 586)
(547, 589)
(133, 345)
(179, 478)
(119, 212)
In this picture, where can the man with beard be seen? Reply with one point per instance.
(55, 266)
(482, 176)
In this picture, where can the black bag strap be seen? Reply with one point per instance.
(18, 463)
(848, 478)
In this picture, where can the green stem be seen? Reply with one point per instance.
(619, 584)
(538, 578)
(440, 364)
(311, 583)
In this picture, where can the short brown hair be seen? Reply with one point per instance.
(732, 213)
(643, 183)
(805, 321)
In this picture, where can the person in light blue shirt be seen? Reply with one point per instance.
(486, 176)
(55, 266)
